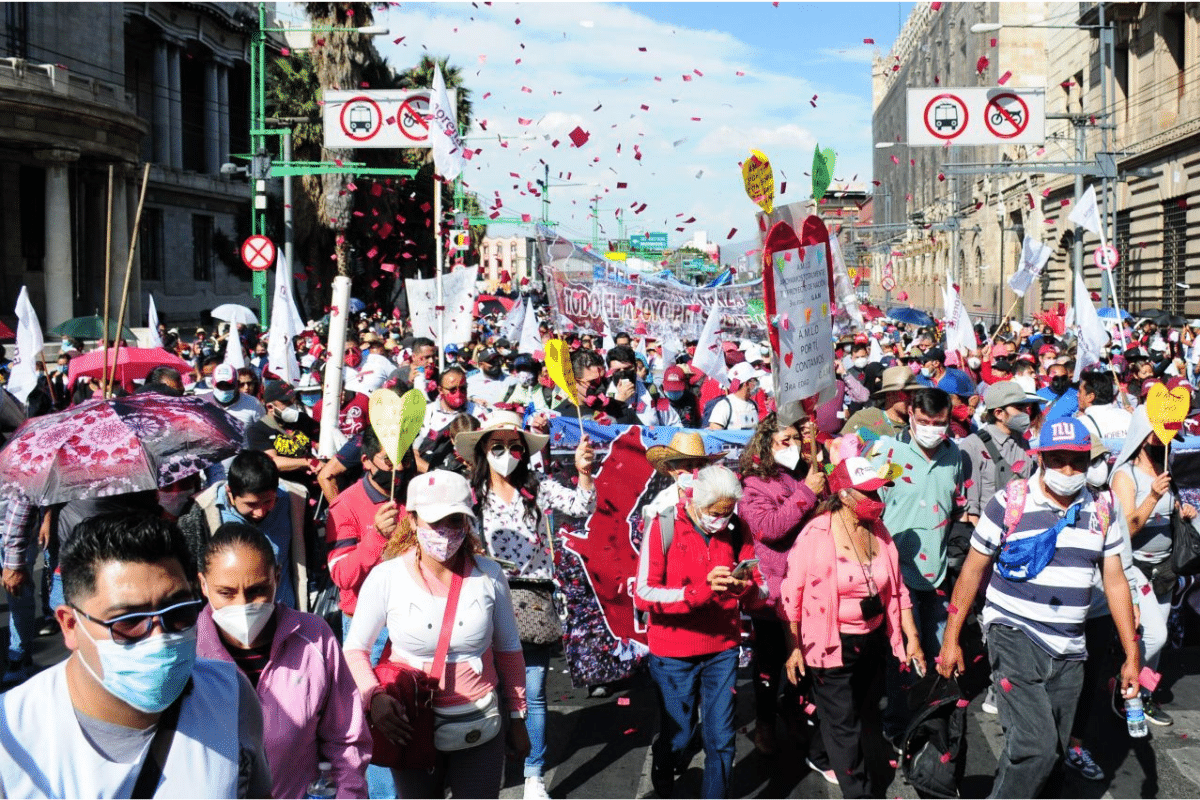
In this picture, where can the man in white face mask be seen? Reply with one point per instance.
(1051, 539)
(920, 509)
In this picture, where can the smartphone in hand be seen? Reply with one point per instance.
(742, 570)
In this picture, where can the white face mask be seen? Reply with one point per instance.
(244, 623)
(685, 480)
(788, 457)
(860, 363)
(711, 524)
(504, 464)
(524, 378)
(928, 436)
(1064, 485)
(1097, 474)
(927, 372)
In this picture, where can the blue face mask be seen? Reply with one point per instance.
(148, 675)
(309, 399)
(225, 396)
(674, 395)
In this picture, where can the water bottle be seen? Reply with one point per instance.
(324, 787)
(1135, 718)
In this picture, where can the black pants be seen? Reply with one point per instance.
(770, 654)
(843, 696)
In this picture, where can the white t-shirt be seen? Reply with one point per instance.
(245, 409)
(373, 372)
(735, 415)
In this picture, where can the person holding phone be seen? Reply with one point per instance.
(847, 606)
(685, 582)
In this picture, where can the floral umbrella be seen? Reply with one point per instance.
(117, 446)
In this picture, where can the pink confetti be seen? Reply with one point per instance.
(1006, 684)
(630, 730)
(1149, 679)
(622, 701)
(945, 758)
(1004, 78)
(868, 41)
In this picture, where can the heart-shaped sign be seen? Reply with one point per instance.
(558, 364)
(822, 171)
(1167, 409)
(397, 420)
(787, 359)
(759, 180)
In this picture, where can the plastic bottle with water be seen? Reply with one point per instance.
(1135, 718)
(323, 787)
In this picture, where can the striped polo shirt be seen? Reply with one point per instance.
(1050, 608)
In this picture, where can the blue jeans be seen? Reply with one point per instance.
(930, 611)
(56, 591)
(380, 782)
(21, 629)
(537, 659)
(709, 681)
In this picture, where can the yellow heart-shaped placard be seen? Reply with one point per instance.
(1167, 409)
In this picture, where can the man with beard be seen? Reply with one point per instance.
(488, 385)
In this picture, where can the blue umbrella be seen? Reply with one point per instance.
(910, 315)
(356, 305)
(1110, 313)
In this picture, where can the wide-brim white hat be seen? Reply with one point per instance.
(501, 420)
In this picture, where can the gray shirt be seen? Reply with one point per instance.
(981, 469)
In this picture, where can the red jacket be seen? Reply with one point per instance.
(353, 543)
(686, 617)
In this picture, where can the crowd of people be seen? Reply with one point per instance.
(933, 506)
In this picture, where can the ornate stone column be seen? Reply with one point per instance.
(175, 93)
(58, 268)
(212, 120)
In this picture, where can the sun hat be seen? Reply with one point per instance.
(859, 473)
(684, 446)
(438, 494)
(499, 420)
(897, 379)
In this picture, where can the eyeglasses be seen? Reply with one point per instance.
(515, 448)
(130, 628)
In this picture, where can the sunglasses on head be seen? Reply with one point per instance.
(130, 628)
(500, 448)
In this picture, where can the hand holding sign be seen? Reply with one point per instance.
(558, 365)
(396, 421)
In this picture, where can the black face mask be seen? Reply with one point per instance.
(492, 369)
(1156, 452)
(1060, 385)
(383, 479)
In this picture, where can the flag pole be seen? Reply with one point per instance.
(441, 302)
(107, 284)
(137, 222)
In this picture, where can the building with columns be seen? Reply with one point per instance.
(89, 86)
(516, 255)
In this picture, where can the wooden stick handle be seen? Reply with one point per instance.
(107, 278)
(137, 223)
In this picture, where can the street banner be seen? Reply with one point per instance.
(591, 294)
(458, 287)
(797, 279)
(1034, 256)
(596, 557)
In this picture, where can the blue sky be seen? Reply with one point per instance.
(656, 137)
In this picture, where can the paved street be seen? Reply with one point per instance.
(600, 747)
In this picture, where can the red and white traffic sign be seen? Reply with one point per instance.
(888, 283)
(360, 118)
(258, 253)
(946, 116)
(1106, 257)
(413, 118)
(1006, 115)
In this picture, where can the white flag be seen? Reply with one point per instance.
(1092, 336)
(960, 333)
(1034, 256)
(22, 376)
(234, 355)
(1085, 214)
(443, 130)
(710, 356)
(514, 321)
(530, 342)
(152, 313)
(285, 324)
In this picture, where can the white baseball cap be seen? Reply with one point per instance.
(438, 494)
(224, 373)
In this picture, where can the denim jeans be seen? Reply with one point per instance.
(930, 611)
(1036, 695)
(380, 781)
(21, 623)
(709, 681)
(537, 659)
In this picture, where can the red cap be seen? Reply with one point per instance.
(673, 380)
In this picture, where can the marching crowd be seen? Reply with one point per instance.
(936, 512)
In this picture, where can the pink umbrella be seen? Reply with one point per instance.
(134, 363)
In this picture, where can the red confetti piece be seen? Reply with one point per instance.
(1006, 684)
(982, 64)
(868, 41)
(579, 136)
(622, 701)
(732, 231)
(944, 758)
(630, 730)
(1003, 79)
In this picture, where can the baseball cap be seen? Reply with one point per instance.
(1008, 393)
(741, 373)
(858, 473)
(224, 373)
(955, 381)
(279, 392)
(438, 494)
(1047, 348)
(673, 380)
(525, 362)
(934, 354)
(1065, 433)
(487, 355)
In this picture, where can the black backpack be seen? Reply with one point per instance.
(706, 416)
(935, 745)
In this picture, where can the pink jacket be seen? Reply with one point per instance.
(774, 509)
(809, 593)
(312, 710)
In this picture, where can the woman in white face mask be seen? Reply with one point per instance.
(784, 479)
(292, 659)
(512, 497)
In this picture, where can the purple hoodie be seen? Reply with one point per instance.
(312, 710)
(775, 509)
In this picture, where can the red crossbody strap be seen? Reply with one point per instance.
(443, 645)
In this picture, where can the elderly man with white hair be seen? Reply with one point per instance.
(696, 568)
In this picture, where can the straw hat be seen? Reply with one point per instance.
(500, 420)
(684, 446)
(897, 379)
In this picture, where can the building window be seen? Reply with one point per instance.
(1174, 253)
(32, 191)
(202, 255)
(150, 244)
(1123, 277)
(16, 30)
(1174, 37)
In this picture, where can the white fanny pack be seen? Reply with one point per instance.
(467, 725)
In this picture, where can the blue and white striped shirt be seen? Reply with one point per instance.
(1050, 608)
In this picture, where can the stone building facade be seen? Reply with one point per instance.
(86, 86)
